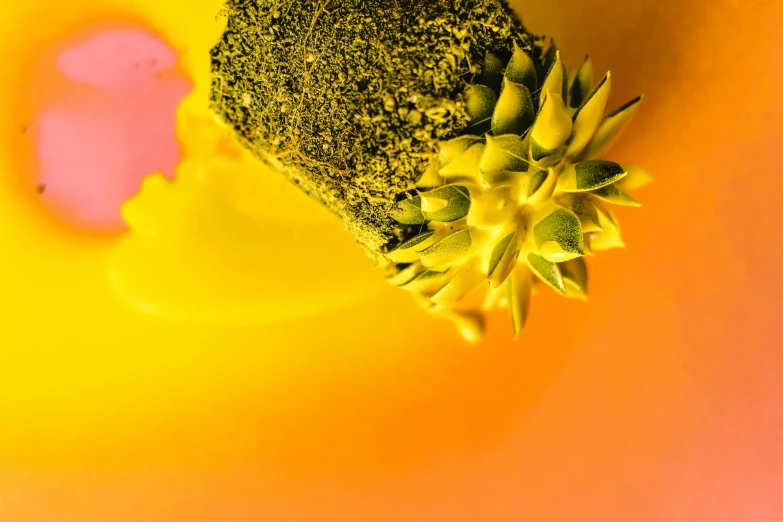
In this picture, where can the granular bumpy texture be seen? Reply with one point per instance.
(350, 97)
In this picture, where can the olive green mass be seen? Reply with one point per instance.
(348, 98)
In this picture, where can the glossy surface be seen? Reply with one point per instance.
(659, 400)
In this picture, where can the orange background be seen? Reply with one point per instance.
(659, 400)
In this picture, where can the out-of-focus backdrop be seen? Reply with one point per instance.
(241, 365)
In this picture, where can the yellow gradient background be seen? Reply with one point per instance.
(659, 400)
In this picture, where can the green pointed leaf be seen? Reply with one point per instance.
(589, 175)
(463, 282)
(615, 195)
(584, 209)
(552, 127)
(575, 278)
(559, 236)
(506, 153)
(636, 178)
(521, 69)
(448, 249)
(445, 204)
(610, 128)
(580, 84)
(408, 251)
(492, 74)
(480, 101)
(408, 212)
(556, 80)
(426, 282)
(588, 116)
(547, 272)
(416, 241)
(514, 112)
(519, 285)
(503, 259)
(499, 251)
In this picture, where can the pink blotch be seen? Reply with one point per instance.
(95, 148)
(121, 60)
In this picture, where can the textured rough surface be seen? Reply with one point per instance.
(348, 98)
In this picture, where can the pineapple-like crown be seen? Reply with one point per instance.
(519, 197)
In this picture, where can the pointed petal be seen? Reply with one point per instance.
(536, 180)
(521, 69)
(504, 153)
(408, 212)
(552, 127)
(610, 237)
(408, 251)
(575, 278)
(588, 117)
(492, 208)
(556, 80)
(584, 209)
(550, 56)
(589, 175)
(636, 178)
(452, 149)
(495, 298)
(545, 189)
(610, 128)
(470, 326)
(462, 283)
(519, 285)
(588, 246)
(580, 84)
(559, 236)
(615, 195)
(426, 282)
(466, 165)
(606, 240)
(448, 249)
(480, 101)
(445, 204)
(514, 112)
(547, 272)
(405, 275)
(503, 259)
(430, 177)
(417, 241)
(492, 74)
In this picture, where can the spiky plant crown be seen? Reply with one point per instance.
(519, 197)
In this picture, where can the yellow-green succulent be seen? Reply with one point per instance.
(520, 197)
